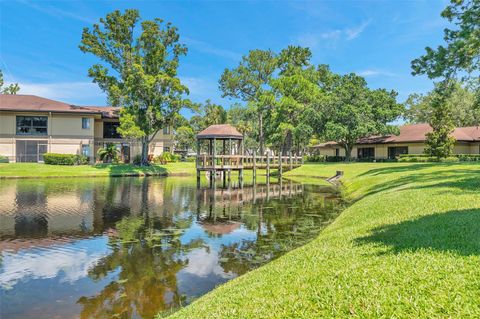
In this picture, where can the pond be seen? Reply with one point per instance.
(134, 247)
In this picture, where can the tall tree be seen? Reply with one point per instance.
(214, 114)
(249, 81)
(9, 89)
(355, 111)
(139, 73)
(459, 58)
(420, 107)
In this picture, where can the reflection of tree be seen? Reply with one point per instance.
(148, 260)
(282, 225)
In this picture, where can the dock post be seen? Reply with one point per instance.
(254, 167)
(240, 178)
(268, 167)
(198, 178)
(290, 159)
(280, 164)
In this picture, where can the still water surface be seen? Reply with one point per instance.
(134, 247)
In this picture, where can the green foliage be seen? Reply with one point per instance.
(137, 159)
(440, 141)
(214, 114)
(109, 153)
(3, 159)
(427, 158)
(461, 103)
(64, 159)
(184, 138)
(355, 111)
(165, 158)
(461, 51)
(10, 89)
(139, 71)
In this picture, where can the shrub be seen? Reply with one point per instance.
(166, 157)
(316, 158)
(81, 160)
(3, 159)
(335, 158)
(137, 159)
(59, 159)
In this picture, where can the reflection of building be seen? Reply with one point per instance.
(31, 126)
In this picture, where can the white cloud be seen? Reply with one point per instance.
(374, 72)
(353, 33)
(69, 263)
(210, 49)
(58, 13)
(314, 39)
(63, 91)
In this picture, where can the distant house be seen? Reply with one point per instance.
(411, 140)
(31, 126)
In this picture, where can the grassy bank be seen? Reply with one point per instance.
(408, 246)
(31, 170)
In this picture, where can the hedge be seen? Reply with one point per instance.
(427, 158)
(3, 159)
(64, 159)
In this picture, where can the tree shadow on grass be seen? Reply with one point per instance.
(401, 168)
(453, 231)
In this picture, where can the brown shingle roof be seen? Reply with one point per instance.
(416, 133)
(220, 131)
(32, 103)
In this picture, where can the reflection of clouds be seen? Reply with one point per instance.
(202, 263)
(67, 262)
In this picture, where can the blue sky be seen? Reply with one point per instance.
(377, 39)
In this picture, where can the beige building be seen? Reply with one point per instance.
(411, 140)
(31, 126)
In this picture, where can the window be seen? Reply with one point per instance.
(110, 130)
(30, 151)
(85, 123)
(394, 152)
(166, 149)
(366, 152)
(32, 125)
(166, 130)
(86, 150)
(337, 152)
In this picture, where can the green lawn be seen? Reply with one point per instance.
(407, 247)
(11, 170)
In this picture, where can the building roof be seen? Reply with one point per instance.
(220, 131)
(414, 133)
(33, 103)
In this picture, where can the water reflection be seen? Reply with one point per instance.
(132, 247)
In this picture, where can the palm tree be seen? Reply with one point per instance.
(108, 153)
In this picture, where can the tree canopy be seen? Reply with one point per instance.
(9, 89)
(139, 71)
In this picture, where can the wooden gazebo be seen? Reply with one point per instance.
(219, 149)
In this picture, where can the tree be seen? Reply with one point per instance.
(355, 111)
(420, 107)
(461, 52)
(248, 82)
(184, 138)
(9, 89)
(440, 142)
(214, 114)
(139, 73)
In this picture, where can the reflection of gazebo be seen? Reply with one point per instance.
(220, 228)
(219, 148)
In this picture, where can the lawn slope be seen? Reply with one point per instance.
(408, 247)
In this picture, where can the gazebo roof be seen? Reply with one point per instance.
(220, 131)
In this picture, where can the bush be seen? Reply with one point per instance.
(65, 159)
(137, 159)
(427, 158)
(3, 159)
(335, 158)
(166, 157)
(316, 158)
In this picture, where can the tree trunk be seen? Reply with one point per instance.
(348, 152)
(144, 152)
(260, 124)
